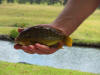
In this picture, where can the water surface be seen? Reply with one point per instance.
(76, 58)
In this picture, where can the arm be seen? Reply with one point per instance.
(75, 12)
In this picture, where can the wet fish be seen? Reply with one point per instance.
(44, 35)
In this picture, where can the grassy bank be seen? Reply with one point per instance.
(12, 14)
(25, 69)
(6, 30)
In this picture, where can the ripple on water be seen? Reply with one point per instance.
(76, 58)
(7, 52)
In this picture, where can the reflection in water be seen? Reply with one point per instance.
(84, 59)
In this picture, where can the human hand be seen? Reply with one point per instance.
(37, 48)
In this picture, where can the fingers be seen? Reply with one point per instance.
(20, 29)
(29, 49)
(33, 49)
(37, 48)
(17, 46)
(45, 49)
(41, 47)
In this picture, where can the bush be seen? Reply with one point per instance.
(20, 25)
(0, 1)
(13, 33)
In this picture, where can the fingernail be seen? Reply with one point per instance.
(20, 29)
(17, 46)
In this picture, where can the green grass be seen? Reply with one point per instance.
(25, 69)
(30, 14)
(6, 30)
(10, 14)
(89, 31)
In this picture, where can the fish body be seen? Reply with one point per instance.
(45, 35)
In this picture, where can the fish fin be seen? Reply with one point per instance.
(68, 41)
(60, 45)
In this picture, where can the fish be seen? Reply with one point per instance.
(45, 35)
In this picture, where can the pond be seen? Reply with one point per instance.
(75, 58)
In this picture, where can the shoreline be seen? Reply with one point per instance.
(86, 45)
(6, 37)
(92, 45)
(37, 69)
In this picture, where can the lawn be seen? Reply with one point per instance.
(30, 15)
(6, 30)
(25, 69)
(12, 14)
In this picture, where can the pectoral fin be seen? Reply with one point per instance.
(60, 45)
(68, 42)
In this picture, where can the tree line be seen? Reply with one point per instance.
(49, 2)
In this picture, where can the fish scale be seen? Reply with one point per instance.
(41, 34)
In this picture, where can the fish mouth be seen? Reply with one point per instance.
(18, 42)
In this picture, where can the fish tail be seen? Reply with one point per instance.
(68, 41)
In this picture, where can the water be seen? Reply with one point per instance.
(76, 58)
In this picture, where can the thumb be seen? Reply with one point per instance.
(20, 29)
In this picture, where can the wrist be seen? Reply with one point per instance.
(63, 27)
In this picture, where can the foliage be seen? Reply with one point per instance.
(10, 14)
(0, 1)
(13, 33)
(49, 2)
(22, 25)
(10, 1)
(22, 1)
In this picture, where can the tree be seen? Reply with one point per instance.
(38, 1)
(51, 2)
(0, 1)
(22, 1)
(31, 1)
(65, 1)
(10, 1)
